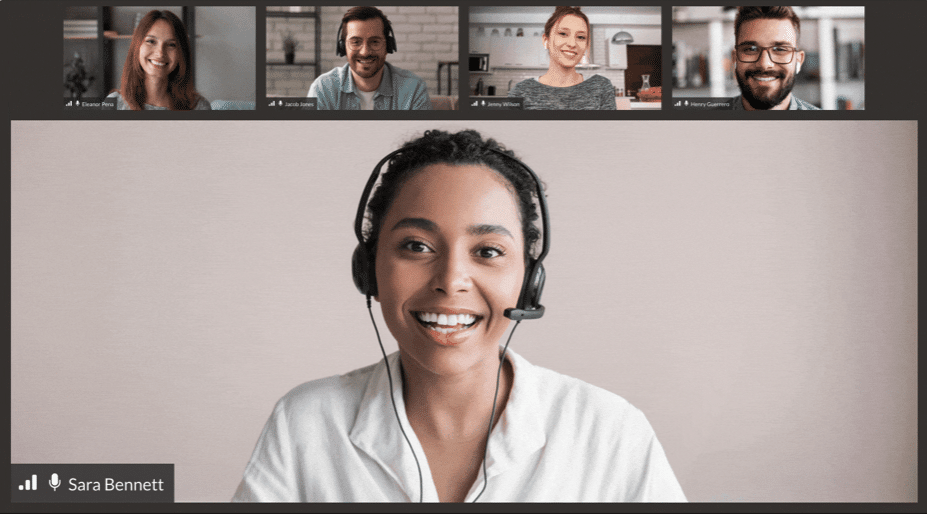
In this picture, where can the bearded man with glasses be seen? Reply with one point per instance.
(367, 81)
(766, 58)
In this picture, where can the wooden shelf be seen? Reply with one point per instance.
(315, 15)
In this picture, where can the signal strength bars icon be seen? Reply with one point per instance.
(30, 485)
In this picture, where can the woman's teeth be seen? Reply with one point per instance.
(446, 323)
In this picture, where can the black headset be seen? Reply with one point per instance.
(340, 47)
(363, 267)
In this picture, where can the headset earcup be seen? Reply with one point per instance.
(361, 271)
(534, 287)
(340, 49)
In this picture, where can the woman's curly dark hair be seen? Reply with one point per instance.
(466, 147)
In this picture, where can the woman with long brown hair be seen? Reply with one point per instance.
(158, 72)
(566, 39)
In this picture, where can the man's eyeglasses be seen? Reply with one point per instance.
(375, 44)
(779, 54)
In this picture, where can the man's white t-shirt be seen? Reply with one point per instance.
(366, 99)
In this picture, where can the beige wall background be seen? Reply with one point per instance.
(751, 286)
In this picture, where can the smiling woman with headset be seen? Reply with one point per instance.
(452, 254)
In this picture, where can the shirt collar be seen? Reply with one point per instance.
(516, 436)
(386, 82)
(376, 433)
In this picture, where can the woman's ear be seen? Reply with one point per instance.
(544, 39)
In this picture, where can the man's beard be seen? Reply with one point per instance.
(772, 98)
(375, 66)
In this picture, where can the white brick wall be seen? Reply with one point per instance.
(289, 80)
(303, 29)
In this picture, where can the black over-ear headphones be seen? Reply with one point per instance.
(363, 267)
(340, 47)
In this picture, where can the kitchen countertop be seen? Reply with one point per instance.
(637, 104)
(633, 103)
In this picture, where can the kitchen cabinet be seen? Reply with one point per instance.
(617, 56)
(507, 49)
(479, 41)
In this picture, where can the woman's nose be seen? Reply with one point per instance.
(452, 274)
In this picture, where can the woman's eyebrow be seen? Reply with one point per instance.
(430, 226)
(421, 223)
(479, 230)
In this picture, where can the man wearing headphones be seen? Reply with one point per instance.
(367, 81)
(766, 58)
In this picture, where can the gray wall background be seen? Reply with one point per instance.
(171, 280)
(225, 55)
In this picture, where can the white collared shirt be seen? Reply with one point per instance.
(559, 440)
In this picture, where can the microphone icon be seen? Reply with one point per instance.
(54, 482)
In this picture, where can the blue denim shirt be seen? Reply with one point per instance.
(399, 90)
(795, 104)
